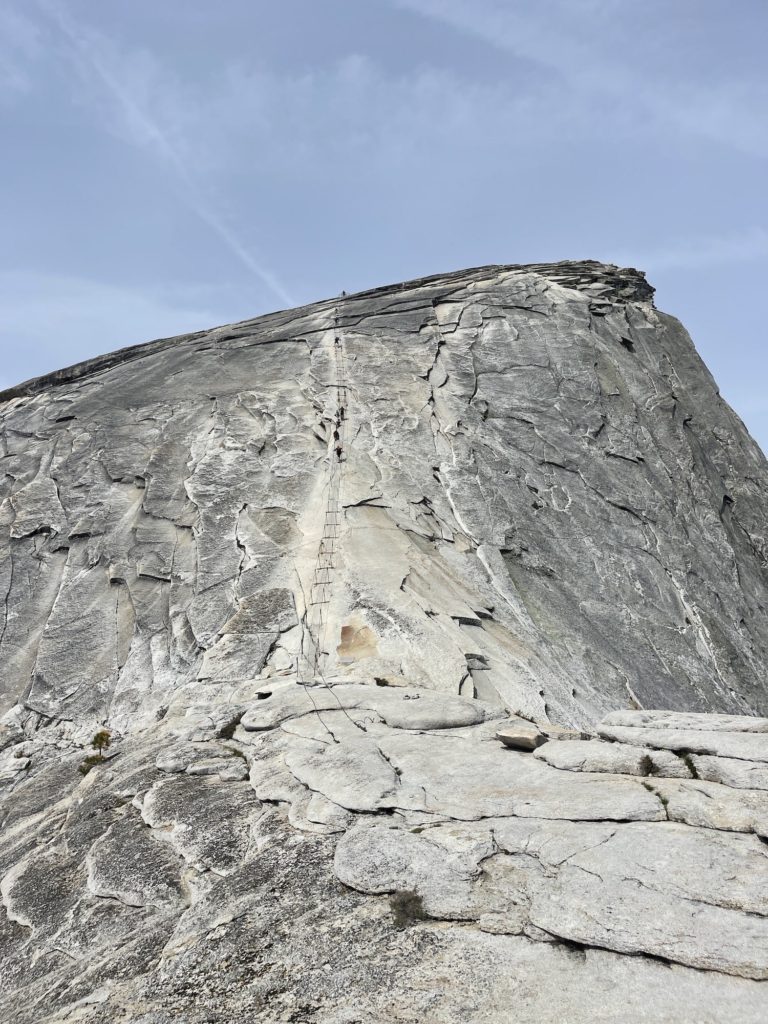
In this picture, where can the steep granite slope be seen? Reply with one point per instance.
(542, 497)
(304, 569)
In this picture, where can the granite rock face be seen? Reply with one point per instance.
(309, 571)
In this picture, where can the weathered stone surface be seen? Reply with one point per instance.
(185, 533)
(354, 774)
(664, 889)
(746, 746)
(40, 891)
(521, 736)
(621, 758)
(399, 708)
(454, 776)
(584, 907)
(678, 721)
(129, 864)
(230, 769)
(177, 757)
(713, 806)
(438, 864)
(541, 514)
(37, 509)
(210, 826)
(729, 771)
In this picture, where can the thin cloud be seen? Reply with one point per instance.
(370, 119)
(725, 111)
(703, 251)
(50, 320)
(19, 45)
(145, 130)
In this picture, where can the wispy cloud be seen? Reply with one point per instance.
(577, 40)
(19, 46)
(50, 320)
(698, 252)
(88, 50)
(352, 120)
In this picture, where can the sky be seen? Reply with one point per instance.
(170, 166)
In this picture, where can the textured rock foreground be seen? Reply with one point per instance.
(373, 597)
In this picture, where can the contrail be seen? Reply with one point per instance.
(85, 54)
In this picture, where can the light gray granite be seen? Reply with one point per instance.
(542, 516)
(742, 745)
(618, 758)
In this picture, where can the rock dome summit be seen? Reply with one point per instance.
(426, 633)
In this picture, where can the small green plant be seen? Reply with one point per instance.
(101, 742)
(407, 908)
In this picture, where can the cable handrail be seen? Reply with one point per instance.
(321, 586)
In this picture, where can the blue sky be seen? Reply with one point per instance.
(167, 166)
